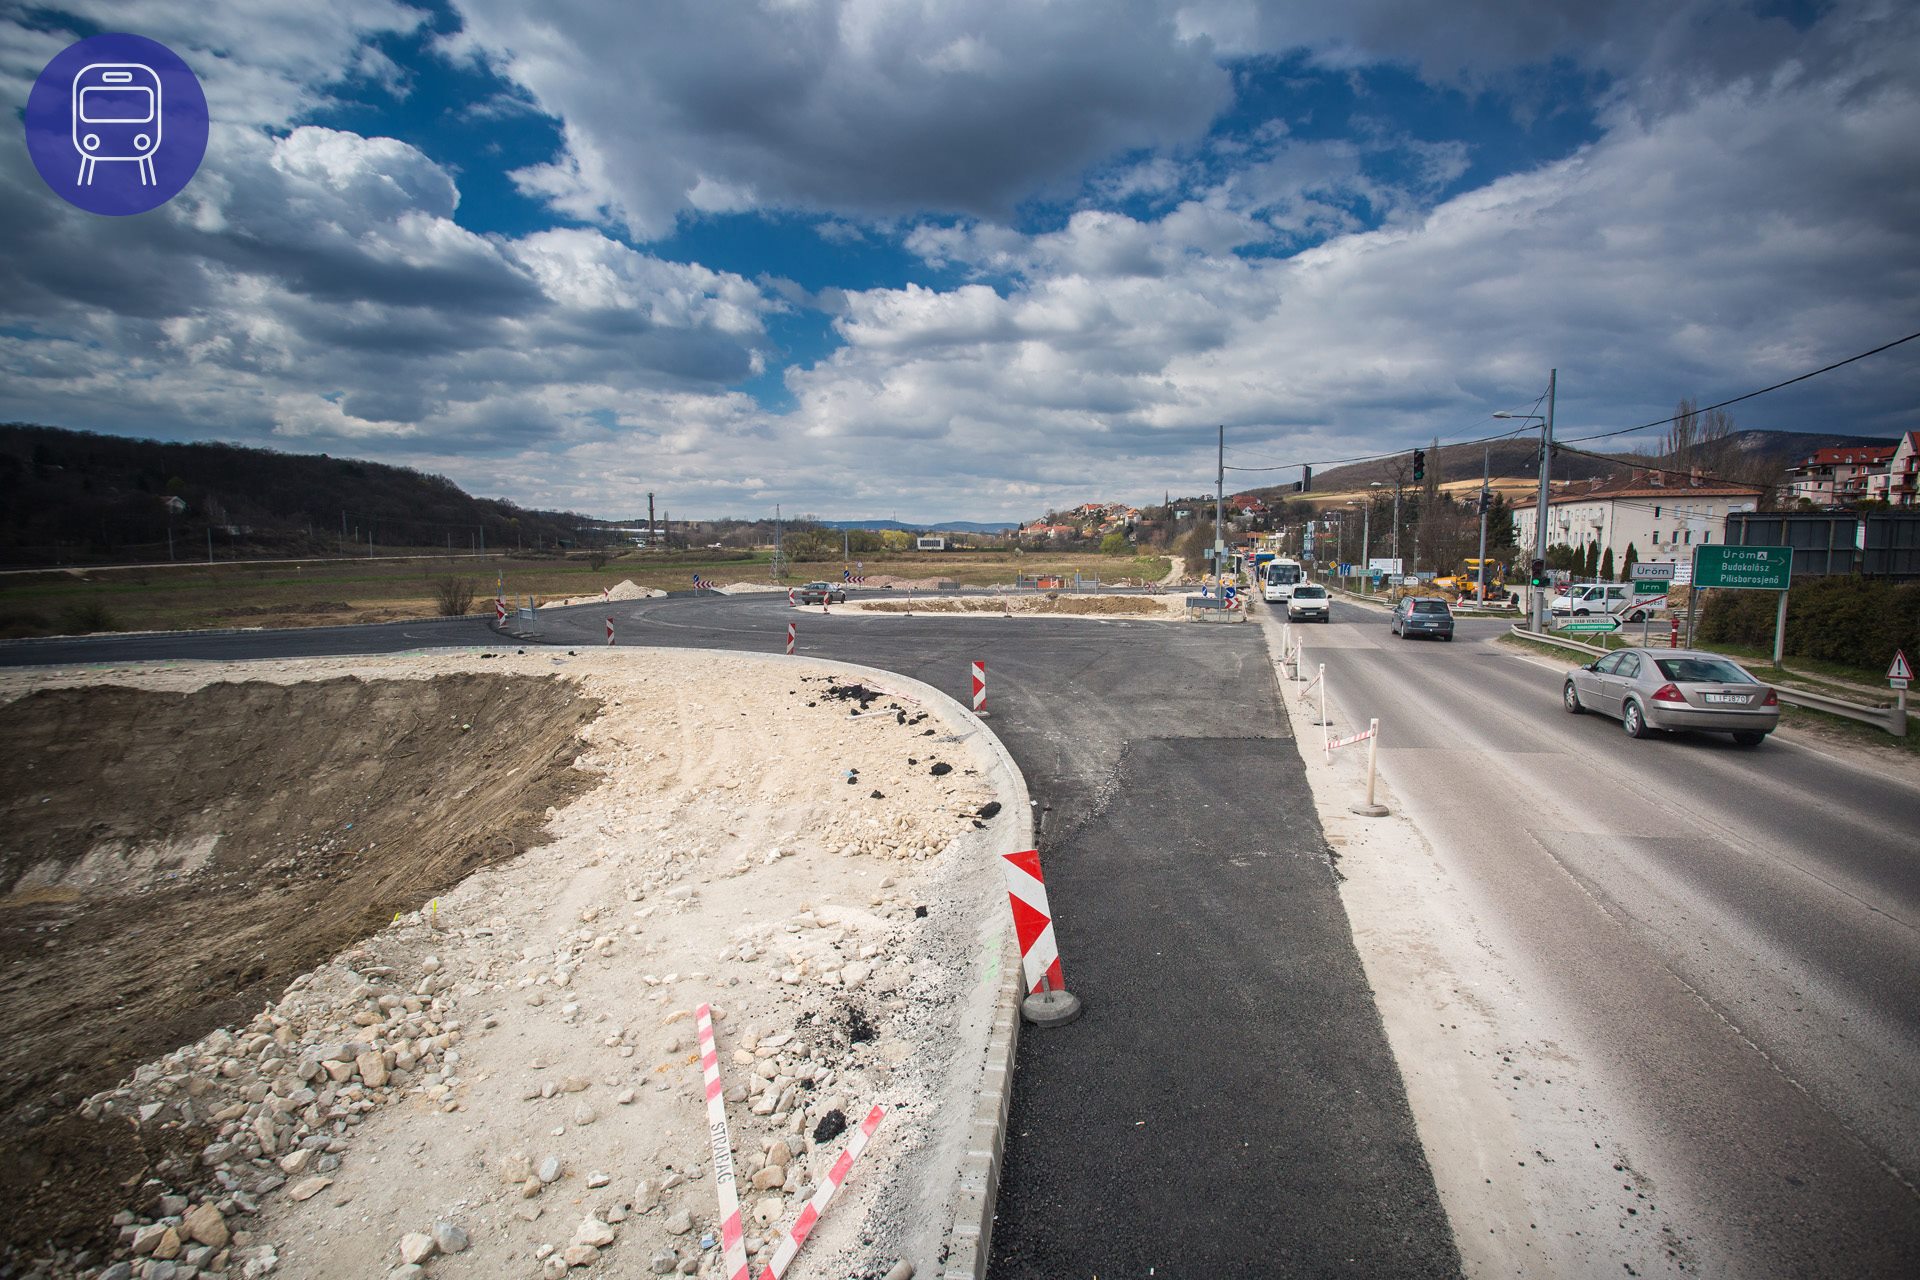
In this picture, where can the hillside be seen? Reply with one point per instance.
(70, 497)
(1749, 456)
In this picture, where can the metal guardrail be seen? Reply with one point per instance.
(1892, 720)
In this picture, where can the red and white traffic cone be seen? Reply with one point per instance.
(1047, 1003)
(790, 632)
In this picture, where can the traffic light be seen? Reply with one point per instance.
(1539, 573)
(1306, 479)
(1419, 464)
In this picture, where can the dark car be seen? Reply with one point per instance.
(821, 593)
(1422, 616)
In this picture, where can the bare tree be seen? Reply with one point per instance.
(1682, 434)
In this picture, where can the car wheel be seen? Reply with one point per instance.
(1570, 699)
(1579, 613)
(1633, 721)
(1750, 738)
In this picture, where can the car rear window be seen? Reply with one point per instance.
(1702, 671)
(1429, 606)
(1309, 593)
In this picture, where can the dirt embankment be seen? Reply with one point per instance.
(1057, 606)
(170, 860)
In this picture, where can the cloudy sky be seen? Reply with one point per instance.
(972, 258)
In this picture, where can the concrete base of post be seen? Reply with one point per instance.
(1368, 810)
(1050, 1008)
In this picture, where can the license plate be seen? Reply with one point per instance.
(1740, 698)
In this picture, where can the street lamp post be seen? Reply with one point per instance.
(1366, 538)
(1540, 515)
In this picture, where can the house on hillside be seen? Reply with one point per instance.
(1838, 477)
(1896, 486)
(1662, 516)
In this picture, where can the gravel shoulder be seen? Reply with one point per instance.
(504, 1081)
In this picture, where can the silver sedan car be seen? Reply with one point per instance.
(1648, 689)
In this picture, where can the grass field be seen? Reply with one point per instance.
(332, 592)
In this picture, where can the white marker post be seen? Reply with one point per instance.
(1371, 809)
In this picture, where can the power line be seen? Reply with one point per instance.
(1601, 435)
(1648, 426)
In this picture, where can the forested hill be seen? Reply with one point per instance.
(77, 497)
(1753, 457)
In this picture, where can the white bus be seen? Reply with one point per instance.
(1279, 579)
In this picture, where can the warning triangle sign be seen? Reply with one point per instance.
(1901, 669)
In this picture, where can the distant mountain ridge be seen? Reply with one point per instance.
(1759, 451)
(75, 497)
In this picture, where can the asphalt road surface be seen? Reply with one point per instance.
(1727, 941)
(1228, 1105)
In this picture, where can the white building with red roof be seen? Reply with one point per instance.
(1662, 516)
(1839, 476)
(1897, 486)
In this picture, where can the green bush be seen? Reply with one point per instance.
(1857, 622)
(87, 617)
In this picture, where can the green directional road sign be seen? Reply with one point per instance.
(1746, 568)
(1592, 624)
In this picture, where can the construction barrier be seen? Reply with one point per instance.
(609, 630)
(733, 1239)
(790, 637)
(980, 688)
(1032, 921)
(500, 613)
(809, 1216)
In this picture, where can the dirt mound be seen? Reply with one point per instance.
(172, 860)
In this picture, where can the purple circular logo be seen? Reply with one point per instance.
(116, 124)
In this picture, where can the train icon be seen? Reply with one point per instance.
(117, 112)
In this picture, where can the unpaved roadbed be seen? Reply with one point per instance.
(506, 1077)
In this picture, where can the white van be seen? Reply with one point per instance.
(1599, 597)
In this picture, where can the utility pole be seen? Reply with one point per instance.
(650, 538)
(779, 571)
(1220, 507)
(1540, 513)
(1366, 540)
(1486, 470)
(1396, 523)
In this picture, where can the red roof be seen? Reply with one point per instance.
(1851, 455)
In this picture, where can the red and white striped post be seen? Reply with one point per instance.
(790, 600)
(500, 613)
(1047, 1002)
(789, 637)
(733, 1238)
(810, 1216)
(979, 688)
(609, 630)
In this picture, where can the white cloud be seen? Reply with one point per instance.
(1744, 215)
(852, 106)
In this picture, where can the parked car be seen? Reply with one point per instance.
(1309, 603)
(1649, 689)
(1422, 616)
(821, 593)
